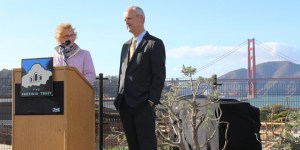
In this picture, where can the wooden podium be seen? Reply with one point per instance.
(74, 129)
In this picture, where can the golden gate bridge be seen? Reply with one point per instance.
(251, 61)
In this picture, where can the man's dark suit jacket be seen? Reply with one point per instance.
(142, 78)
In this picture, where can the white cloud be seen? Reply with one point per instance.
(265, 50)
(196, 52)
(277, 51)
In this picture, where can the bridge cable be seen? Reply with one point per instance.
(274, 51)
(222, 56)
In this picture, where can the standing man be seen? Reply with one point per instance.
(141, 80)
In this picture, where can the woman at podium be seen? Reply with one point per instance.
(68, 53)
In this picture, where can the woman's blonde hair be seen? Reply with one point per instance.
(61, 28)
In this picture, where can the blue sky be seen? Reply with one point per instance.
(26, 64)
(195, 32)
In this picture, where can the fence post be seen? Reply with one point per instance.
(215, 86)
(100, 111)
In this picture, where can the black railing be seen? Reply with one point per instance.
(268, 91)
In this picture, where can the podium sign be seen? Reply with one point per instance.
(37, 77)
(43, 105)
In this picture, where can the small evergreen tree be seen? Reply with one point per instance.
(182, 117)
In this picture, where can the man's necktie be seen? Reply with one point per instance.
(132, 48)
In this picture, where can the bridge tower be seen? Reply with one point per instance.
(251, 68)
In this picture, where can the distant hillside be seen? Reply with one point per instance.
(265, 86)
(5, 83)
(272, 69)
(5, 73)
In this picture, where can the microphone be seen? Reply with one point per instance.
(66, 43)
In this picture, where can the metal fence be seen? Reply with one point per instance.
(5, 114)
(284, 92)
(280, 91)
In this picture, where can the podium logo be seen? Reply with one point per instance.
(56, 109)
(36, 76)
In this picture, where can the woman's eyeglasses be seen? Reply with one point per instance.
(68, 36)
